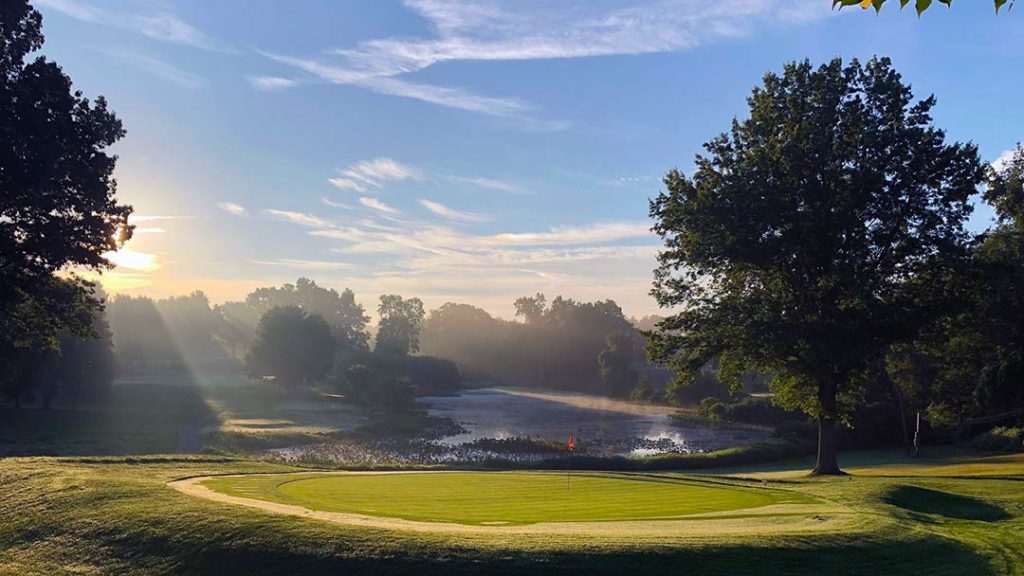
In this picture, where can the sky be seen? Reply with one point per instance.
(463, 150)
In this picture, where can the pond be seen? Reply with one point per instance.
(599, 425)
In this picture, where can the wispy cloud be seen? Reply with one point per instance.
(163, 70)
(148, 230)
(269, 83)
(367, 174)
(590, 234)
(508, 30)
(335, 204)
(232, 208)
(305, 264)
(488, 183)
(136, 218)
(596, 260)
(163, 26)
(299, 218)
(451, 213)
(375, 204)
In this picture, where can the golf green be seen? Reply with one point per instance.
(500, 498)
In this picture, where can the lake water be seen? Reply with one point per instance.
(600, 425)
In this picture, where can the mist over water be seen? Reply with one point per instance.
(600, 425)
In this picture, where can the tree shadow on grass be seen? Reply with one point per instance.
(837, 556)
(927, 501)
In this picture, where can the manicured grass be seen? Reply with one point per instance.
(502, 497)
(118, 516)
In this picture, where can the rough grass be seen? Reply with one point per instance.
(118, 516)
(502, 497)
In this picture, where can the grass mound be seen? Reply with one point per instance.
(927, 501)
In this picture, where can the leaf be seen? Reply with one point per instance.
(922, 5)
(842, 3)
(999, 4)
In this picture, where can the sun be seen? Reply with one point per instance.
(133, 260)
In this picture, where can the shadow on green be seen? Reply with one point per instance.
(927, 501)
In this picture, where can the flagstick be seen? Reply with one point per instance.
(568, 476)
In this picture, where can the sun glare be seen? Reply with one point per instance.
(132, 260)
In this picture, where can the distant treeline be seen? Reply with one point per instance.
(566, 344)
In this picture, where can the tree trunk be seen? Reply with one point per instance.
(828, 464)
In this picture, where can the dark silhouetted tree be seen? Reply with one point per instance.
(294, 347)
(617, 372)
(57, 197)
(813, 236)
(346, 317)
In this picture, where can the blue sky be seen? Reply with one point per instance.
(462, 150)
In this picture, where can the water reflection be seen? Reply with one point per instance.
(600, 425)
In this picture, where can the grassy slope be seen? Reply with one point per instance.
(63, 516)
(174, 412)
(507, 497)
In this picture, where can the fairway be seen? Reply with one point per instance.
(501, 498)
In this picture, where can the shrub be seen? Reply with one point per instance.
(428, 376)
(1001, 439)
(712, 408)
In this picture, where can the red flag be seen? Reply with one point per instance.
(572, 444)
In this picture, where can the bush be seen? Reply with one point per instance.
(1001, 439)
(712, 408)
(687, 394)
(427, 375)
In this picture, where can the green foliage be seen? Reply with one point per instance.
(294, 347)
(32, 326)
(969, 362)
(689, 388)
(399, 329)
(814, 235)
(58, 207)
(346, 317)
(57, 203)
(919, 5)
(556, 346)
(644, 393)
(1002, 439)
(392, 382)
(712, 408)
(616, 361)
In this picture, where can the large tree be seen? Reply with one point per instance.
(399, 328)
(293, 347)
(346, 317)
(58, 209)
(812, 236)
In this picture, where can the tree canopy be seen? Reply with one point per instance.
(293, 346)
(346, 317)
(812, 236)
(58, 209)
(399, 328)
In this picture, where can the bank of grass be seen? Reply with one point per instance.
(118, 516)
